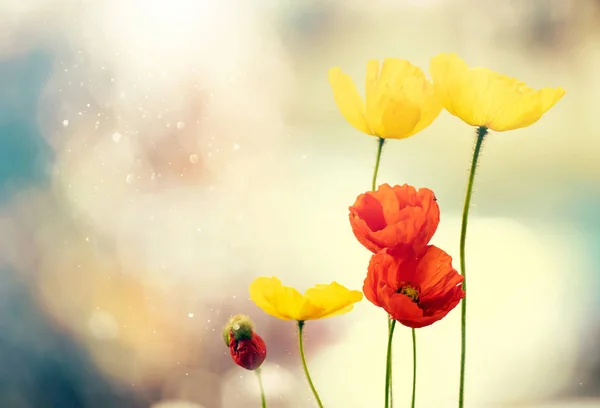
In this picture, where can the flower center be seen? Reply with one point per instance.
(412, 293)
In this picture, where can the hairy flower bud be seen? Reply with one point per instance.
(247, 348)
(241, 326)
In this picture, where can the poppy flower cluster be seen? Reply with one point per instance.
(413, 281)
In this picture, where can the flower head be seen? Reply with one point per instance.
(482, 97)
(287, 303)
(398, 218)
(400, 101)
(247, 348)
(416, 291)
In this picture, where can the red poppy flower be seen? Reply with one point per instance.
(248, 353)
(398, 218)
(416, 291)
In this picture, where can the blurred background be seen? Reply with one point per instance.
(156, 156)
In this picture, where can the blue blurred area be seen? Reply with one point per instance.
(584, 213)
(24, 154)
(40, 366)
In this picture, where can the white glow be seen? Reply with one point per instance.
(103, 325)
(176, 404)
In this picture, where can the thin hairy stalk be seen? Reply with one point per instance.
(301, 346)
(481, 133)
(380, 143)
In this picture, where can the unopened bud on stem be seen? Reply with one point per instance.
(247, 348)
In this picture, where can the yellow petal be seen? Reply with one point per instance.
(395, 70)
(371, 88)
(549, 97)
(430, 110)
(348, 100)
(523, 106)
(281, 301)
(334, 299)
(399, 118)
(412, 108)
(446, 71)
(482, 97)
(390, 112)
(421, 90)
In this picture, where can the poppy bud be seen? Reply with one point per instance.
(241, 326)
(247, 348)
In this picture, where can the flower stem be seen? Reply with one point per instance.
(481, 133)
(262, 390)
(380, 143)
(388, 364)
(414, 389)
(301, 345)
(390, 320)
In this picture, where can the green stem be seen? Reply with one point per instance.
(380, 143)
(388, 364)
(301, 345)
(262, 390)
(414, 338)
(390, 320)
(481, 133)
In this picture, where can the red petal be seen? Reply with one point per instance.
(249, 354)
(369, 208)
(435, 274)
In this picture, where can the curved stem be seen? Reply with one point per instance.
(380, 142)
(301, 345)
(388, 364)
(481, 133)
(262, 390)
(414, 389)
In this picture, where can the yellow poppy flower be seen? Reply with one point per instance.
(287, 303)
(482, 97)
(400, 101)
